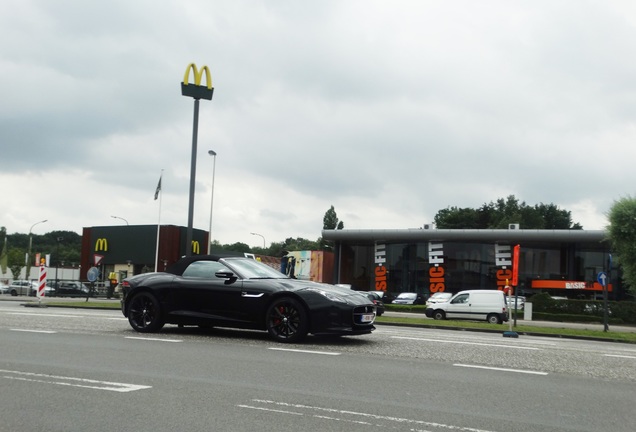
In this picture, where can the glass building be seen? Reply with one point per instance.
(427, 260)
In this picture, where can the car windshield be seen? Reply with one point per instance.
(249, 268)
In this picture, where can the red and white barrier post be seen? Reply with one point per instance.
(42, 282)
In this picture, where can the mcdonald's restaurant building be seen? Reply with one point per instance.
(427, 260)
(133, 249)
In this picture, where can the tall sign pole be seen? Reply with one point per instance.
(508, 290)
(196, 91)
(515, 276)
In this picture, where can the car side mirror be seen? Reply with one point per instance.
(230, 276)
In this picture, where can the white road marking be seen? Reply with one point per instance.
(500, 369)
(68, 316)
(284, 407)
(72, 381)
(153, 339)
(47, 315)
(619, 356)
(34, 331)
(306, 351)
(467, 343)
(270, 410)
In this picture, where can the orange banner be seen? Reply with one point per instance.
(564, 284)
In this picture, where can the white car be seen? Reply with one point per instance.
(521, 301)
(438, 297)
(28, 288)
(489, 305)
(4, 288)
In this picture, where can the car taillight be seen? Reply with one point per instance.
(125, 284)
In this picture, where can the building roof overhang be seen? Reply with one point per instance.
(471, 235)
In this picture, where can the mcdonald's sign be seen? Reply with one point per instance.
(196, 249)
(196, 90)
(101, 244)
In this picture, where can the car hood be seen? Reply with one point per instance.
(299, 284)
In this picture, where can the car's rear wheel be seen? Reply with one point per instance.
(494, 319)
(144, 313)
(286, 320)
(439, 315)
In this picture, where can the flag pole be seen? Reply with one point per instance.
(160, 195)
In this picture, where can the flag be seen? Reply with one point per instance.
(4, 257)
(158, 189)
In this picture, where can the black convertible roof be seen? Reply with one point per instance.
(178, 267)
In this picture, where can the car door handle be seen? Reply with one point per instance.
(248, 295)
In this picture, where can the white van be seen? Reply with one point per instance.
(489, 305)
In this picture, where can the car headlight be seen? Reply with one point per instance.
(331, 296)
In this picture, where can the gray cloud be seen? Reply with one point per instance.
(389, 112)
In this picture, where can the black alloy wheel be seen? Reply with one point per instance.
(144, 313)
(286, 320)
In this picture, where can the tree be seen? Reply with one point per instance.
(503, 212)
(622, 236)
(329, 222)
(16, 262)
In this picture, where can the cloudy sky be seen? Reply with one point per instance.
(387, 110)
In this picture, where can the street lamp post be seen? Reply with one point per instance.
(28, 258)
(213, 154)
(117, 217)
(260, 235)
(57, 261)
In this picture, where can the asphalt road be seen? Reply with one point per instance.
(83, 370)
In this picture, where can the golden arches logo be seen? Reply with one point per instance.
(101, 245)
(196, 90)
(196, 249)
(198, 74)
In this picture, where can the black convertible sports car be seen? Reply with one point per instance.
(239, 292)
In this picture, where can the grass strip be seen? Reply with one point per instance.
(534, 330)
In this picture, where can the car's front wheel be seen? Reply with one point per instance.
(144, 313)
(439, 315)
(286, 320)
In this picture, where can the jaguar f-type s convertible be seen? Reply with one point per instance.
(240, 292)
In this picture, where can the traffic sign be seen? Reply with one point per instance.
(92, 274)
(602, 278)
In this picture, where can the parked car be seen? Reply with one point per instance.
(386, 296)
(377, 301)
(239, 292)
(4, 288)
(489, 305)
(408, 298)
(438, 297)
(28, 288)
(70, 289)
(521, 302)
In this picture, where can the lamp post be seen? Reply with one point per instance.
(28, 258)
(57, 260)
(213, 154)
(117, 217)
(260, 235)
